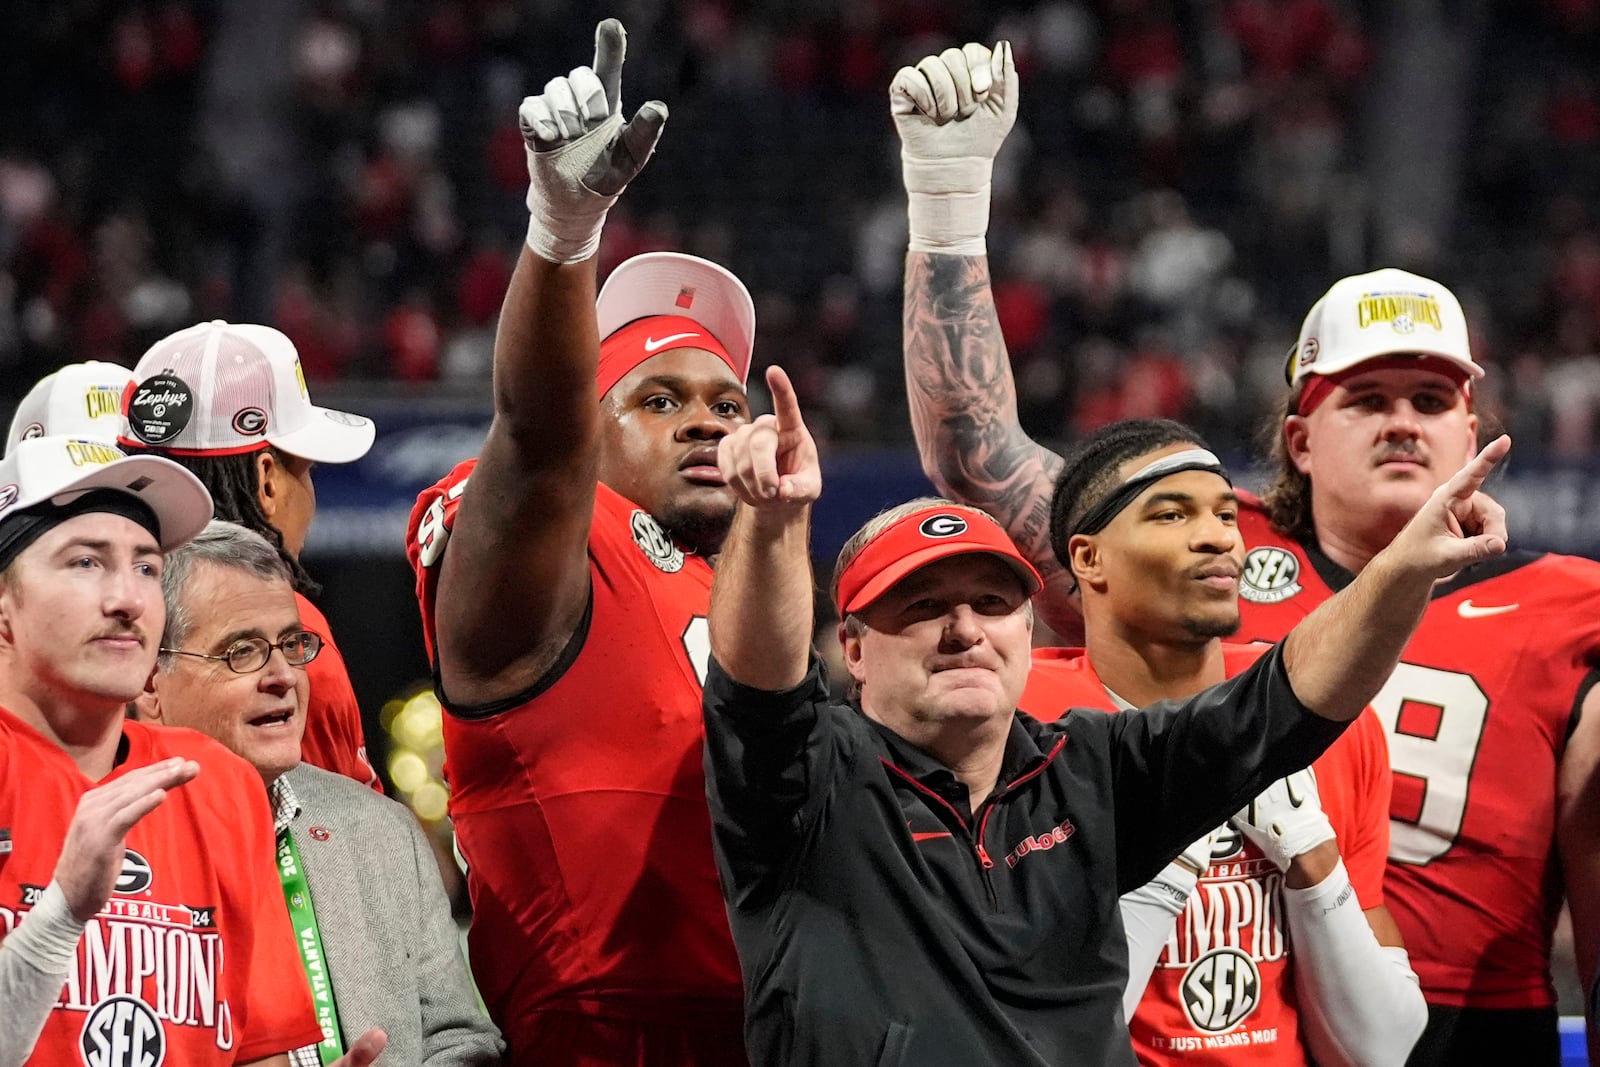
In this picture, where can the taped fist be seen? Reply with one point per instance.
(580, 153)
(1286, 820)
(953, 112)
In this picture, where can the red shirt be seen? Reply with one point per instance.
(193, 958)
(1477, 715)
(581, 811)
(333, 739)
(1223, 990)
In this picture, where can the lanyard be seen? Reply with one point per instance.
(308, 939)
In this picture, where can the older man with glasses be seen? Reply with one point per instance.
(370, 913)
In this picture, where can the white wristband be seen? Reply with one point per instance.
(566, 216)
(35, 959)
(948, 204)
(48, 938)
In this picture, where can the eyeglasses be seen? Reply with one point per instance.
(252, 653)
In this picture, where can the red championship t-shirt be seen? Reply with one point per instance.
(581, 811)
(1478, 714)
(1223, 990)
(192, 961)
(334, 739)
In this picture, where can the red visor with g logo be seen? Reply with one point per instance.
(925, 536)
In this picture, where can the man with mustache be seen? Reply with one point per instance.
(1493, 715)
(160, 934)
(564, 577)
(1272, 953)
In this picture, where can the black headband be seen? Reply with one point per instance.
(1192, 459)
(19, 531)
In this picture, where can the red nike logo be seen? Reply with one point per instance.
(929, 836)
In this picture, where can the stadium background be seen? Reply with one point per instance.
(1185, 178)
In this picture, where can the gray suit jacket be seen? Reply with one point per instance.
(393, 954)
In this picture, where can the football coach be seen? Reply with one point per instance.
(921, 874)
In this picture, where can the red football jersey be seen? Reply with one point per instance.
(1223, 990)
(581, 812)
(1477, 715)
(334, 739)
(192, 961)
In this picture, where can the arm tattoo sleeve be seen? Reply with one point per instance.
(964, 403)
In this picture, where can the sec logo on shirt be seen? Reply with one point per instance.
(1220, 990)
(123, 1031)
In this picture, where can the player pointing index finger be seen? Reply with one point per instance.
(773, 461)
(1460, 524)
(1379, 411)
(596, 497)
(799, 472)
(1468, 503)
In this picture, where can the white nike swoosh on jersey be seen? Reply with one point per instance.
(1468, 610)
(651, 344)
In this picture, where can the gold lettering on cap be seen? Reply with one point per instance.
(102, 400)
(90, 454)
(1403, 311)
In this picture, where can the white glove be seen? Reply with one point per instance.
(1286, 820)
(953, 111)
(580, 155)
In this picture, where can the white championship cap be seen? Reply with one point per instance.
(675, 283)
(61, 469)
(1387, 312)
(221, 388)
(79, 400)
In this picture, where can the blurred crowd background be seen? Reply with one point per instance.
(1185, 178)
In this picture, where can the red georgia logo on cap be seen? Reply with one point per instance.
(942, 526)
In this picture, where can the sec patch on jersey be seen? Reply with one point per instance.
(656, 544)
(1270, 576)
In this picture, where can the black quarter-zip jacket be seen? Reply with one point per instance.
(881, 921)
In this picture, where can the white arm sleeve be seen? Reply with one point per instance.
(35, 959)
(1361, 1003)
(1148, 916)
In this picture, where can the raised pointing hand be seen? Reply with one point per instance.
(580, 153)
(1460, 524)
(773, 460)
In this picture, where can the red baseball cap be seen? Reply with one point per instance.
(925, 536)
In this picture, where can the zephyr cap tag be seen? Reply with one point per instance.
(161, 407)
